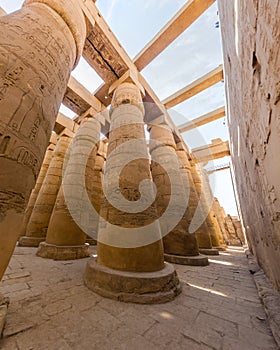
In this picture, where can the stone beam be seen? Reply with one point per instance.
(217, 149)
(79, 99)
(204, 119)
(176, 26)
(102, 49)
(195, 87)
(105, 54)
(224, 167)
(2, 12)
(53, 139)
(62, 122)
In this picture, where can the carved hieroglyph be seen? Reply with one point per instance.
(39, 46)
(197, 225)
(65, 238)
(220, 215)
(36, 189)
(126, 125)
(215, 231)
(203, 237)
(163, 148)
(130, 264)
(94, 182)
(39, 220)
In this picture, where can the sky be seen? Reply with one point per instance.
(193, 54)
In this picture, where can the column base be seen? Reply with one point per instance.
(91, 241)
(133, 287)
(26, 241)
(198, 260)
(4, 302)
(221, 248)
(206, 251)
(51, 251)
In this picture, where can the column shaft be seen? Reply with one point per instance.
(170, 177)
(37, 227)
(35, 66)
(203, 236)
(215, 231)
(130, 264)
(36, 190)
(97, 192)
(126, 125)
(65, 238)
(220, 215)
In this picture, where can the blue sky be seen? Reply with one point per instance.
(193, 54)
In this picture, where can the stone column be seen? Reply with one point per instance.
(39, 46)
(220, 215)
(36, 189)
(219, 236)
(66, 240)
(37, 227)
(233, 238)
(96, 178)
(215, 231)
(130, 265)
(238, 228)
(171, 180)
(203, 237)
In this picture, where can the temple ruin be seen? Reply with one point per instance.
(113, 208)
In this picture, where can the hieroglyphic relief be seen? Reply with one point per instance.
(38, 50)
(36, 64)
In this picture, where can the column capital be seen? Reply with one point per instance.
(127, 93)
(130, 76)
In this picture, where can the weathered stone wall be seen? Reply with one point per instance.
(251, 34)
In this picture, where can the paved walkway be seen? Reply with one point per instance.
(51, 309)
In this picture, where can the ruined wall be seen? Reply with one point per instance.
(250, 35)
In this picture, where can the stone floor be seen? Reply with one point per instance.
(51, 309)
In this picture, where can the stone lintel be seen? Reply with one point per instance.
(216, 149)
(53, 139)
(51, 251)
(198, 260)
(67, 132)
(135, 287)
